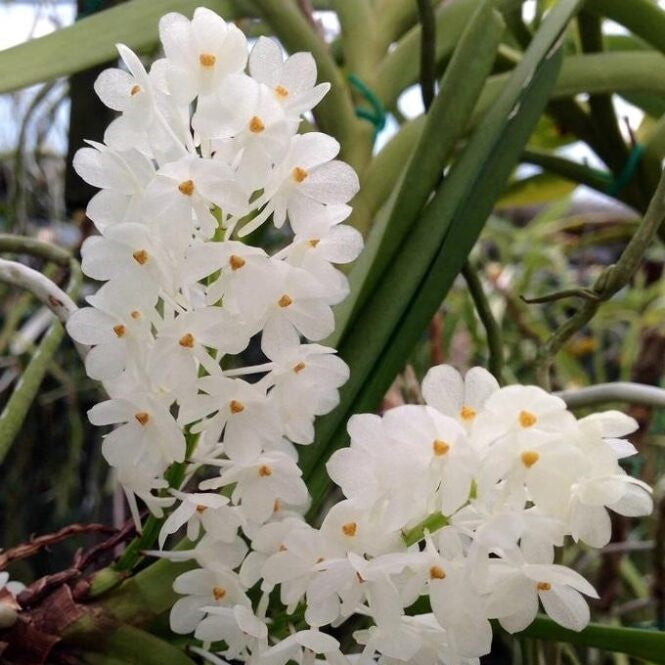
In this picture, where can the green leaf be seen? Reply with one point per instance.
(413, 286)
(91, 41)
(463, 81)
(399, 69)
(648, 645)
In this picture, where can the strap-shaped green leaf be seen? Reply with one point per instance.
(648, 645)
(91, 41)
(399, 69)
(445, 122)
(382, 337)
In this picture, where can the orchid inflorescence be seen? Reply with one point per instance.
(181, 299)
(452, 509)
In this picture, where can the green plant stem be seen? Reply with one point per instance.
(611, 280)
(605, 125)
(618, 391)
(427, 51)
(584, 175)
(602, 109)
(359, 37)
(362, 53)
(430, 524)
(641, 17)
(492, 328)
(395, 18)
(40, 286)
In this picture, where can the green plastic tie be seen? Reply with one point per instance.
(377, 116)
(628, 171)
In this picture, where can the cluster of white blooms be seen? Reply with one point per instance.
(451, 517)
(452, 510)
(202, 153)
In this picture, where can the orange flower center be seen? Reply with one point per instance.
(142, 417)
(349, 529)
(186, 341)
(299, 174)
(285, 300)
(440, 447)
(527, 419)
(218, 592)
(207, 60)
(437, 573)
(186, 187)
(140, 256)
(236, 262)
(467, 413)
(235, 406)
(256, 125)
(529, 458)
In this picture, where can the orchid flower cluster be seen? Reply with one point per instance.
(452, 509)
(201, 151)
(452, 514)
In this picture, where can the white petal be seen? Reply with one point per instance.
(109, 412)
(334, 182)
(479, 384)
(566, 606)
(113, 87)
(265, 61)
(443, 388)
